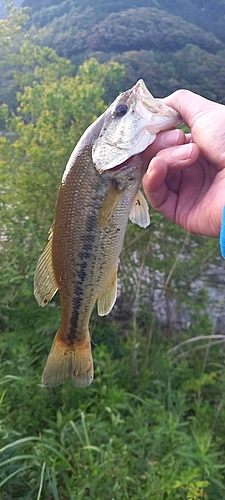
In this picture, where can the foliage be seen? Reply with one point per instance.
(158, 433)
(164, 73)
(170, 45)
(165, 50)
(202, 13)
(133, 29)
(11, 38)
(152, 423)
(147, 28)
(52, 115)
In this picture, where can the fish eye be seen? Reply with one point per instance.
(120, 110)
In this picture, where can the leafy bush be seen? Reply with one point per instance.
(158, 433)
(152, 423)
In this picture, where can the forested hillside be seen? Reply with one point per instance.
(203, 13)
(183, 41)
(168, 44)
(152, 424)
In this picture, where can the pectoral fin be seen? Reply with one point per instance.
(45, 285)
(139, 213)
(109, 206)
(107, 300)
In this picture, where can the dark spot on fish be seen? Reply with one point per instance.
(84, 255)
(85, 250)
(138, 203)
(45, 301)
(81, 273)
(118, 229)
(115, 183)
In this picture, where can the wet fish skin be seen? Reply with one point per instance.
(92, 256)
(81, 257)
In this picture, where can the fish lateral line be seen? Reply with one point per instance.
(98, 193)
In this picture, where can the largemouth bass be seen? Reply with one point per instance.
(98, 193)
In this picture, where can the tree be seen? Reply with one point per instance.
(12, 36)
(54, 110)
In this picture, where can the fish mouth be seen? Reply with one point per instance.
(130, 125)
(163, 116)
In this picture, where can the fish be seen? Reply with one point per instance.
(99, 192)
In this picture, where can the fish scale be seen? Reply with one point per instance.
(99, 191)
(95, 252)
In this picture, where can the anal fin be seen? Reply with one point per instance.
(45, 285)
(139, 213)
(107, 300)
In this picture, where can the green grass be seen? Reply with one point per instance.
(154, 432)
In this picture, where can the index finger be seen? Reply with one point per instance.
(163, 140)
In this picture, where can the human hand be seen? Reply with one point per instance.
(185, 180)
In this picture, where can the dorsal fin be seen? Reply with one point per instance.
(45, 285)
(139, 213)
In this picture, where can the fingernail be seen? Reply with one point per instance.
(150, 168)
(170, 138)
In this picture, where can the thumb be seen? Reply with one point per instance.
(189, 105)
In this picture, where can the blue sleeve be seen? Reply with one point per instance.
(222, 234)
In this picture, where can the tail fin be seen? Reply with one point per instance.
(73, 363)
